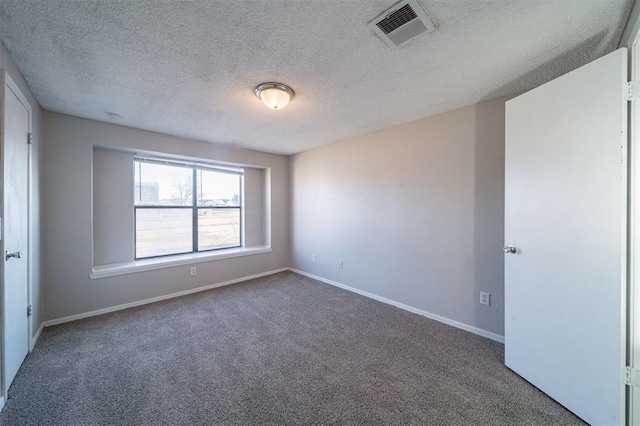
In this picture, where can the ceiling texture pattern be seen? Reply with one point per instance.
(188, 68)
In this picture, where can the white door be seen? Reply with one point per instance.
(565, 213)
(17, 117)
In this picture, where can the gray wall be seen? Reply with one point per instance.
(255, 206)
(112, 206)
(7, 64)
(415, 212)
(68, 210)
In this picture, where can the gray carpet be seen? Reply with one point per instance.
(282, 349)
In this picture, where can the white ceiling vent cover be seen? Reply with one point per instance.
(402, 23)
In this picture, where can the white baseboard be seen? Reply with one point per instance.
(453, 323)
(1, 402)
(34, 339)
(157, 299)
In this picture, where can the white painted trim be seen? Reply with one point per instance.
(157, 299)
(453, 323)
(633, 291)
(35, 338)
(1, 402)
(170, 262)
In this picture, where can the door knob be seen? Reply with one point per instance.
(509, 249)
(15, 254)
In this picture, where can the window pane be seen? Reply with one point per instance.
(163, 231)
(218, 189)
(218, 228)
(159, 184)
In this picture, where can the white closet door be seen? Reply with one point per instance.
(15, 214)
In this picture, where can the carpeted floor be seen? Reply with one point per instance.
(282, 349)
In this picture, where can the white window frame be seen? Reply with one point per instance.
(194, 167)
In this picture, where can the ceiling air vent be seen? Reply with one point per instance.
(402, 23)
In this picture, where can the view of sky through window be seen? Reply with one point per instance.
(160, 184)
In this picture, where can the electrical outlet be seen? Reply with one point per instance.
(485, 298)
(193, 271)
(340, 264)
(313, 257)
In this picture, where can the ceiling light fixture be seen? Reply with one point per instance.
(274, 95)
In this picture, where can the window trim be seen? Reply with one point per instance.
(194, 167)
(115, 269)
(188, 164)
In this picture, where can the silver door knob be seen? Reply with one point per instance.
(509, 249)
(15, 254)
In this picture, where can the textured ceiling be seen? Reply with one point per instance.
(188, 68)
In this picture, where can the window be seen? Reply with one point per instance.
(185, 207)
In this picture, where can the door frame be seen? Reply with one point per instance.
(633, 324)
(631, 40)
(7, 83)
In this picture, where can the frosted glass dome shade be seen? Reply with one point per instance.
(274, 95)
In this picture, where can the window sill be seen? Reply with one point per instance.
(169, 262)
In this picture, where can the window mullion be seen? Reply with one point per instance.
(241, 210)
(194, 206)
